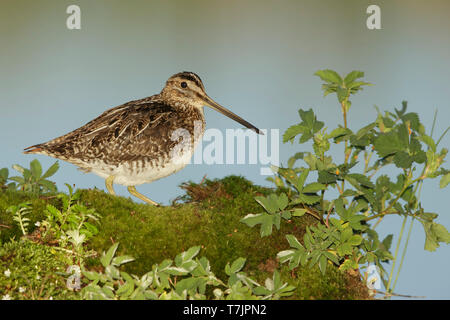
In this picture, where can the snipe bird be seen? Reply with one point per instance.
(137, 142)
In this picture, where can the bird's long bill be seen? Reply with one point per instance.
(211, 103)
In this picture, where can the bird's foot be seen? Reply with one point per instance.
(109, 185)
(133, 191)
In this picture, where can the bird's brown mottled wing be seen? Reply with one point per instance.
(128, 132)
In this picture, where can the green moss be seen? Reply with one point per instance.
(208, 215)
(8, 229)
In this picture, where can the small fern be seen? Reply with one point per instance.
(19, 215)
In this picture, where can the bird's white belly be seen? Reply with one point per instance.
(135, 173)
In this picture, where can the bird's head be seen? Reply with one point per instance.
(187, 88)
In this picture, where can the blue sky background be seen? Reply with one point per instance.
(255, 57)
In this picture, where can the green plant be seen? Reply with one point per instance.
(19, 215)
(4, 177)
(73, 225)
(150, 234)
(73, 216)
(33, 180)
(187, 277)
(344, 234)
(32, 271)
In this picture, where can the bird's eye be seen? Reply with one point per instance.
(183, 84)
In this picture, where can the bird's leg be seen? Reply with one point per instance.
(109, 185)
(133, 191)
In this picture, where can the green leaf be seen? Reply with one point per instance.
(363, 131)
(355, 240)
(36, 169)
(91, 275)
(4, 173)
(342, 94)
(434, 233)
(440, 232)
(261, 291)
(387, 242)
(203, 268)
(308, 199)
(428, 141)
(54, 212)
(444, 181)
(323, 263)
(106, 293)
(126, 289)
(401, 112)
(361, 179)
(306, 137)
(293, 131)
(237, 265)
(51, 171)
(286, 215)
(298, 212)
(413, 119)
(301, 180)
(269, 203)
(118, 261)
(266, 220)
(313, 187)
(388, 143)
(403, 160)
(346, 234)
(294, 158)
(190, 253)
(112, 272)
(19, 168)
(310, 121)
(108, 256)
(331, 257)
(348, 264)
(352, 76)
(289, 174)
(338, 132)
(326, 178)
(285, 255)
(344, 249)
(429, 216)
(329, 76)
(293, 241)
(355, 86)
(283, 201)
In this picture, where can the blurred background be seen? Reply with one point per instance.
(255, 57)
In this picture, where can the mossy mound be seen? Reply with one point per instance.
(207, 215)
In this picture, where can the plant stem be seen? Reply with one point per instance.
(367, 161)
(440, 138)
(396, 255)
(403, 254)
(434, 123)
(321, 202)
(309, 211)
(390, 294)
(344, 113)
(406, 186)
(381, 215)
(418, 186)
